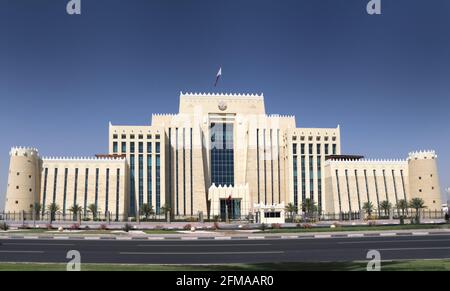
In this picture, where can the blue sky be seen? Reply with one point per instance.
(384, 79)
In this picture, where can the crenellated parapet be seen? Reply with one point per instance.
(24, 151)
(222, 95)
(423, 154)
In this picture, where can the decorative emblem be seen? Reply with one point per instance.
(222, 106)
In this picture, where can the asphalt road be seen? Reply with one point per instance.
(226, 251)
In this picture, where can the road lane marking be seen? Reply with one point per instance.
(155, 238)
(189, 238)
(415, 249)
(36, 244)
(124, 238)
(203, 245)
(61, 237)
(355, 235)
(22, 252)
(201, 253)
(391, 241)
(222, 237)
(255, 237)
(289, 237)
(388, 234)
(322, 236)
(420, 233)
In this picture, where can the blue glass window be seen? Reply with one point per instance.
(132, 186)
(222, 154)
(115, 147)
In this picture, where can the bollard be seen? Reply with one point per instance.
(200, 217)
(168, 216)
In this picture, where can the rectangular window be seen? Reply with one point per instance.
(149, 147)
(303, 166)
(86, 180)
(117, 194)
(114, 136)
(132, 136)
(132, 186)
(55, 182)
(115, 147)
(319, 182)
(141, 136)
(149, 136)
(158, 185)
(272, 214)
(75, 187)
(141, 180)
(141, 147)
(107, 192)
(192, 182)
(157, 136)
(295, 181)
(176, 173)
(294, 149)
(311, 178)
(222, 153)
(339, 191)
(44, 196)
(318, 149)
(327, 147)
(334, 149)
(149, 180)
(302, 148)
(97, 171)
(124, 147)
(65, 191)
(310, 149)
(132, 147)
(157, 148)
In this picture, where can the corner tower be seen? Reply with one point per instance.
(24, 178)
(424, 179)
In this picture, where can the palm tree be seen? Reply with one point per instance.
(309, 207)
(76, 209)
(92, 208)
(368, 207)
(417, 204)
(385, 206)
(37, 210)
(146, 210)
(165, 208)
(291, 209)
(53, 208)
(402, 205)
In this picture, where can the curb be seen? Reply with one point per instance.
(254, 237)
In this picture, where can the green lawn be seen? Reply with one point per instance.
(419, 265)
(358, 228)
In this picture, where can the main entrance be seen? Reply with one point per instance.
(232, 207)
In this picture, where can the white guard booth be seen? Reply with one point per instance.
(268, 214)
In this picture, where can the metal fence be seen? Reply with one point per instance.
(120, 217)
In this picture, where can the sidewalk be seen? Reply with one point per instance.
(218, 235)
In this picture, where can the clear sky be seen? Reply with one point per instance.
(385, 79)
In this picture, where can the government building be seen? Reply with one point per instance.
(220, 154)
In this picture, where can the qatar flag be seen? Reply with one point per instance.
(219, 73)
